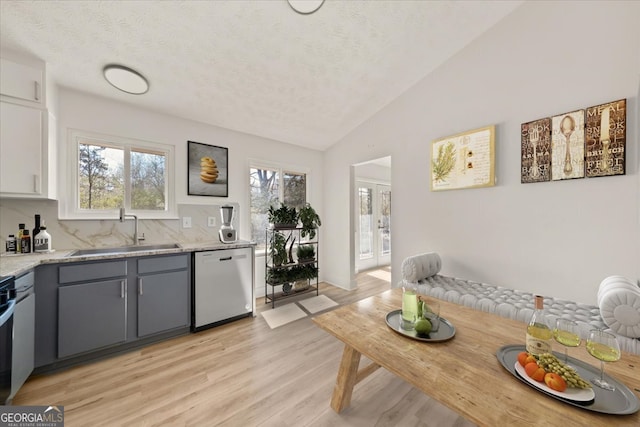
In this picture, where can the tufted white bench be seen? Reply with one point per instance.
(421, 272)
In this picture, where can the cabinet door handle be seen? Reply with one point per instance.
(37, 91)
(36, 183)
(140, 285)
(229, 258)
(123, 288)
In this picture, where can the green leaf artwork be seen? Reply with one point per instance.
(444, 163)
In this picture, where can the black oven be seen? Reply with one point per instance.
(7, 306)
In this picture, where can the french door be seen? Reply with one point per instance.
(373, 211)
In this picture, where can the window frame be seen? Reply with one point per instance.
(71, 204)
(280, 168)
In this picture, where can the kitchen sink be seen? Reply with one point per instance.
(123, 249)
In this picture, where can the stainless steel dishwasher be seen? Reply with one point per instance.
(222, 287)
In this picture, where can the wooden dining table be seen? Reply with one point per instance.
(464, 372)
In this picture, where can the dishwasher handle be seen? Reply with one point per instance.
(230, 257)
(213, 257)
(24, 291)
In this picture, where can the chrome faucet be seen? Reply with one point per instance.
(136, 238)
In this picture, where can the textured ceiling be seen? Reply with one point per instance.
(252, 66)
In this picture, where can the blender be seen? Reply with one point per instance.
(227, 233)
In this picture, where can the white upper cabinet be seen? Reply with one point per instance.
(21, 150)
(20, 81)
(27, 130)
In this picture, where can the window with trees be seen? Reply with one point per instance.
(270, 186)
(113, 173)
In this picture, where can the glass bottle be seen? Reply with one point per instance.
(539, 334)
(21, 228)
(11, 244)
(25, 243)
(36, 230)
(42, 242)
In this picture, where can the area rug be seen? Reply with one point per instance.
(283, 315)
(317, 303)
(381, 274)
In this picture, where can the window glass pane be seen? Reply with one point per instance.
(148, 190)
(263, 184)
(114, 172)
(385, 222)
(100, 177)
(295, 189)
(366, 222)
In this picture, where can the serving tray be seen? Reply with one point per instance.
(621, 401)
(445, 332)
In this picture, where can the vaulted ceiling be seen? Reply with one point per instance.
(254, 66)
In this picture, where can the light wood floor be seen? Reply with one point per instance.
(240, 374)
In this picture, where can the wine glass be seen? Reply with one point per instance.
(604, 347)
(566, 333)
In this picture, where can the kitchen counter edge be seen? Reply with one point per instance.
(14, 265)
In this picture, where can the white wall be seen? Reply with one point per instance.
(558, 238)
(373, 173)
(79, 110)
(86, 112)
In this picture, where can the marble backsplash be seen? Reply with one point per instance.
(77, 234)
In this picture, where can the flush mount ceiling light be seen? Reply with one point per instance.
(125, 79)
(305, 7)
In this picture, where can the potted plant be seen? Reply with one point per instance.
(284, 277)
(303, 275)
(277, 276)
(305, 253)
(278, 249)
(300, 285)
(290, 277)
(310, 221)
(283, 217)
(309, 272)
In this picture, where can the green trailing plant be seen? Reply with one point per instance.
(310, 221)
(284, 215)
(444, 163)
(305, 253)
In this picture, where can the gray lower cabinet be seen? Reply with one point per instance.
(91, 316)
(163, 295)
(89, 309)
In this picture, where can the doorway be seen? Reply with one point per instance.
(374, 225)
(372, 214)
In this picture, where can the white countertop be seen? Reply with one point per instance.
(14, 265)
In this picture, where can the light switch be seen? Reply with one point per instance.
(186, 222)
(211, 221)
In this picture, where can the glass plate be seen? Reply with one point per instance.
(622, 401)
(445, 332)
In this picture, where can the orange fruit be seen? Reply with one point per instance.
(524, 358)
(534, 371)
(555, 381)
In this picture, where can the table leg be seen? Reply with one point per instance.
(347, 378)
